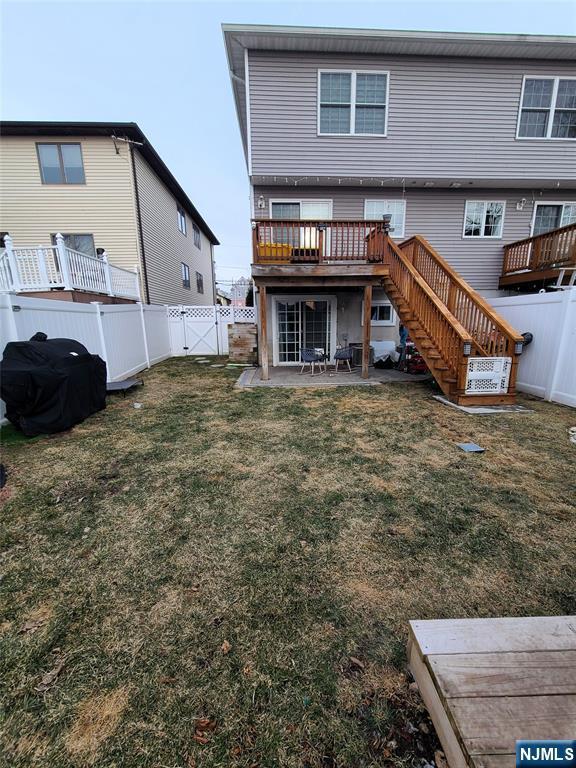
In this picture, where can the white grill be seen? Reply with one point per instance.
(488, 375)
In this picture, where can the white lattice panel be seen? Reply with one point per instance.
(244, 315)
(226, 314)
(199, 312)
(488, 375)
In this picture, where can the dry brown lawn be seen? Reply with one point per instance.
(224, 578)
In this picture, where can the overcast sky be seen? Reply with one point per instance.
(163, 66)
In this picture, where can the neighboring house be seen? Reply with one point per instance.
(240, 289)
(107, 191)
(223, 297)
(468, 140)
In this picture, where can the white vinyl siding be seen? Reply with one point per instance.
(374, 210)
(484, 218)
(352, 103)
(547, 108)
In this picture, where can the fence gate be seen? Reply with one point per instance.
(203, 330)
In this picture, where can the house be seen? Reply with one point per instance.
(388, 171)
(119, 209)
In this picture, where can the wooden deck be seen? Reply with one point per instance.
(489, 682)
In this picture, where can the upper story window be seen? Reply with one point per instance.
(196, 230)
(199, 282)
(548, 108)
(483, 218)
(351, 103)
(185, 270)
(181, 219)
(374, 210)
(61, 163)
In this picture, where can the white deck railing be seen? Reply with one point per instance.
(46, 267)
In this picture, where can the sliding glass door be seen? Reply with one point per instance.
(303, 322)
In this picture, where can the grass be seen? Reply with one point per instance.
(226, 577)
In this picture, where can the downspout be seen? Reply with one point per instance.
(140, 230)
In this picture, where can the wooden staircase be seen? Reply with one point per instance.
(450, 324)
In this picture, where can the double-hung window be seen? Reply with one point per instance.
(185, 269)
(80, 243)
(352, 103)
(199, 282)
(61, 163)
(483, 218)
(374, 210)
(548, 108)
(196, 230)
(181, 214)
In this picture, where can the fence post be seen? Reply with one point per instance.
(12, 263)
(104, 355)
(143, 320)
(562, 351)
(63, 259)
(107, 275)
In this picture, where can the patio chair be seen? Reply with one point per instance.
(343, 355)
(311, 357)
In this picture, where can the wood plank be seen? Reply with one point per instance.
(366, 330)
(318, 282)
(504, 674)
(442, 724)
(493, 725)
(263, 328)
(319, 270)
(535, 633)
(495, 761)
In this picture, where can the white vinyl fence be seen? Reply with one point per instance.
(197, 330)
(547, 366)
(129, 337)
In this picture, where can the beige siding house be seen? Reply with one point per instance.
(104, 187)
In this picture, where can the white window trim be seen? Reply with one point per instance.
(181, 219)
(551, 109)
(381, 323)
(394, 234)
(354, 72)
(484, 237)
(302, 297)
(299, 201)
(547, 202)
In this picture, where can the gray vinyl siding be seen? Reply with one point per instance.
(437, 215)
(448, 118)
(165, 247)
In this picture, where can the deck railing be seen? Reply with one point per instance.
(556, 248)
(450, 338)
(278, 241)
(492, 335)
(48, 267)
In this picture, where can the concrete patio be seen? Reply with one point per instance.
(290, 377)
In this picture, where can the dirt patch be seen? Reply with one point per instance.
(97, 719)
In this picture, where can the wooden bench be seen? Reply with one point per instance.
(489, 682)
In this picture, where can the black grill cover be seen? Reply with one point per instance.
(50, 385)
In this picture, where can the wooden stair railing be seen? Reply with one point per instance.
(437, 333)
(492, 335)
(545, 251)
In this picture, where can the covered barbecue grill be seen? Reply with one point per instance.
(49, 385)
